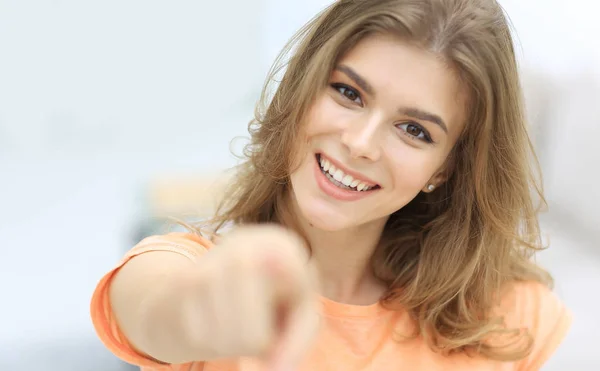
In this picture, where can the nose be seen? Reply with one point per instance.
(361, 139)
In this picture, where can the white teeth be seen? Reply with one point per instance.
(339, 175)
(347, 180)
(342, 179)
(325, 164)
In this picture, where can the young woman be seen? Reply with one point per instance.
(385, 217)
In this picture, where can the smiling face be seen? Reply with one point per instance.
(379, 134)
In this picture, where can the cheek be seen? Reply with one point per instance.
(412, 169)
(325, 116)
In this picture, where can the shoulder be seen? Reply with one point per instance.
(533, 307)
(188, 244)
(106, 326)
(532, 304)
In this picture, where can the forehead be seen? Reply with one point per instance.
(404, 75)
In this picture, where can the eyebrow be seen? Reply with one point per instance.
(424, 115)
(356, 78)
(408, 111)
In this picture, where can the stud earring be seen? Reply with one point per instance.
(430, 187)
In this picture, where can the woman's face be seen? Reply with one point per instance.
(379, 134)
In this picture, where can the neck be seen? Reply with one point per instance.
(343, 262)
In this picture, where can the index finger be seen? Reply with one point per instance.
(298, 320)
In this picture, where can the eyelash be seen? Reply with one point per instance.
(426, 136)
(338, 87)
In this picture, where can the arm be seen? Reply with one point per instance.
(121, 308)
(146, 297)
(163, 305)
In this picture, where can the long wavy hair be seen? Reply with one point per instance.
(446, 255)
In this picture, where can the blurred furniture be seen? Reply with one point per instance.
(189, 198)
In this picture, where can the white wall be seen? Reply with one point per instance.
(560, 56)
(110, 73)
(96, 98)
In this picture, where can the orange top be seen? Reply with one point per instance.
(352, 337)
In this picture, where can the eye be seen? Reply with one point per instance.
(348, 93)
(415, 131)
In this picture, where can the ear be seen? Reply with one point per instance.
(439, 178)
(442, 174)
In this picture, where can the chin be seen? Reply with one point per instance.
(325, 219)
(321, 214)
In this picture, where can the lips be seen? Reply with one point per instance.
(338, 190)
(344, 177)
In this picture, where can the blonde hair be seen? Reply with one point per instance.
(446, 255)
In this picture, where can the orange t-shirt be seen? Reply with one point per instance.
(352, 337)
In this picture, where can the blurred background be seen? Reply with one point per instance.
(113, 112)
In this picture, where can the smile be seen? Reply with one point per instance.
(348, 186)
